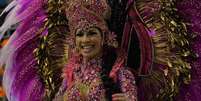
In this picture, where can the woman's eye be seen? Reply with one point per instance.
(80, 34)
(92, 33)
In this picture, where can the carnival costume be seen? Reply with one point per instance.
(160, 37)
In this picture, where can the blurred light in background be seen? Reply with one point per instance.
(3, 3)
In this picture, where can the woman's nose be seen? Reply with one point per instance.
(85, 38)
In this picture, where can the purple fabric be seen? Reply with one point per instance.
(136, 25)
(190, 11)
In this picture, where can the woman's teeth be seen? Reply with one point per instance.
(87, 46)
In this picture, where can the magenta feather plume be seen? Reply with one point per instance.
(21, 81)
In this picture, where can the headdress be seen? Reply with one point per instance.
(89, 13)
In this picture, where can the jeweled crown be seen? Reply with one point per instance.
(87, 13)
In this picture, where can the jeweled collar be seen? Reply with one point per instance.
(97, 62)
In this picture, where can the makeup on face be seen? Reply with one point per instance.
(89, 42)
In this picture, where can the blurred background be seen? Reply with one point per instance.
(3, 4)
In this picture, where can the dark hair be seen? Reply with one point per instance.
(115, 24)
(109, 57)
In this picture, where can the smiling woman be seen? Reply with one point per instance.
(96, 70)
(90, 42)
(80, 37)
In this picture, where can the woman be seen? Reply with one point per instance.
(92, 74)
(151, 32)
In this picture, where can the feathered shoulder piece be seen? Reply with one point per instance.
(39, 39)
(171, 49)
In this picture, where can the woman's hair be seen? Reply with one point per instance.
(108, 60)
(110, 55)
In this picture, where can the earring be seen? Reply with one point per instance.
(111, 41)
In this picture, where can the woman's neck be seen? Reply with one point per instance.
(95, 58)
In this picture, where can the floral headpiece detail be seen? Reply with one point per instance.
(88, 13)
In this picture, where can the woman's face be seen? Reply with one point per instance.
(89, 42)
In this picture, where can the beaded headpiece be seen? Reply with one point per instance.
(89, 13)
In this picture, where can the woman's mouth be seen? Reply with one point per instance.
(87, 48)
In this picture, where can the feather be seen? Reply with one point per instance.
(169, 40)
(192, 20)
(53, 46)
(18, 56)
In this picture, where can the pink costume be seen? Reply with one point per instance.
(161, 39)
(89, 81)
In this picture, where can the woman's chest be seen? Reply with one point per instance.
(88, 75)
(87, 85)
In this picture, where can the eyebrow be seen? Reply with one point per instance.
(92, 28)
(78, 31)
(95, 28)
